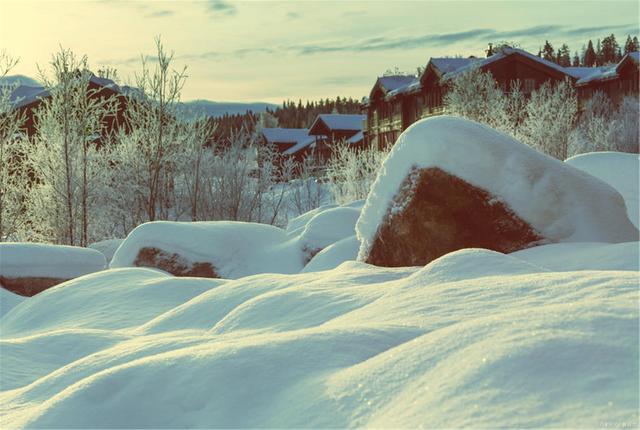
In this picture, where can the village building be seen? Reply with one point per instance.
(396, 102)
(27, 99)
(290, 142)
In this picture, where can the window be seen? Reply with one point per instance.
(529, 85)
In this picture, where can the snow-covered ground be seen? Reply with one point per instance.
(544, 337)
(474, 339)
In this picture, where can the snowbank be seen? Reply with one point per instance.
(20, 260)
(108, 247)
(618, 169)
(8, 301)
(462, 342)
(328, 226)
(562, 203)
(235, 249)
(334, 255)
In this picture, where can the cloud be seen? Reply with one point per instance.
(293, 15)
(222, 7)
(159, 14)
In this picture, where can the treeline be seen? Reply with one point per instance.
(292, 115)
(606, 51)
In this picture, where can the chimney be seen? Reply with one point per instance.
(489, 50)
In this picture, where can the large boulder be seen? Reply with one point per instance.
(451, 183)
(29, 268)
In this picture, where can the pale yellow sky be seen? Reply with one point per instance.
(270, 51)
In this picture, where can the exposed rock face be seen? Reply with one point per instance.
(435, 213)
(173, 263)
(30, 285)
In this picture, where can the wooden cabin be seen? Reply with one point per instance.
(338, 127)
(290, 142)
(393, 111)
(28, 98)
(615, 80)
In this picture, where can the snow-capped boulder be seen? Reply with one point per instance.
(29, 268)
(451, 183)
(211, 249)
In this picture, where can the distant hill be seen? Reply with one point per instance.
(20, 80)
(195, 108)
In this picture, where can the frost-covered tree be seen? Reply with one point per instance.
(351, 172)
(66, 162)
(14, 178)
(602, 127)
(156, 133)
(548, 53)
(550, 116)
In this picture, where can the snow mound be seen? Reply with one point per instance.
(235, 249)
(618, 169)
(566, 257)
(20, 260)
(328, 227)
(562, 203)
(108, 247)
(463, 342)
(334, 255)
(8, 301)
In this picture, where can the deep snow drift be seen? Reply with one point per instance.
(562, 203)
(474, 339)
(18, 260)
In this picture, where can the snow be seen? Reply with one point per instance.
(328, 226)
(356, 138)
(334, 255)
(107, 247)
(618, 169)
(567, 257)
(391, 83)
(287, 135)
(474, 339)
(235, 249)
(447, 65)
(341, 121)
(559, 201)
(19, 260)
(8, 300)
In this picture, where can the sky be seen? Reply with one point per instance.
(271, 51)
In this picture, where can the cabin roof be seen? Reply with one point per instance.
(504, 53)
(448, 65)
(346, 122)
(610, 71)
(286, 135)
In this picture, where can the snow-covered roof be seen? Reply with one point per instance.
(448, 65)
(356, 138)
(604, 73)
(503, 54)
(413, 84)
(286, 135)
(335, 121)
(24, 95)
(390, 83)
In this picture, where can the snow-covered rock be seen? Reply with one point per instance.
(225, 248)
(618, 169)
(556, 201)
(28, 268)
(474, 339)
(108, 247)
(8, 300)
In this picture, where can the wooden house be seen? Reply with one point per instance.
(615, 80)
(28, 98)
(290, 142)
(421, 97)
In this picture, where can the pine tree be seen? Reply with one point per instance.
(564, 56)
(609, 50)
(631, 45)
(548, 52)
(590, 56)
(576, 60)
(599, 61)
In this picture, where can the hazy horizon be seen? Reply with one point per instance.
(273, 51)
